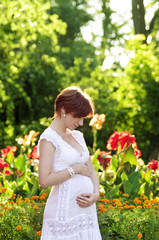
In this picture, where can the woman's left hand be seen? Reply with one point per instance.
(87, 199)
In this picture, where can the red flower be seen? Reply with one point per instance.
(113, 142)
(104, 158)
(8, 172)
(136, 150)
(120, 140)
(3, 164)
(126, 140)
(5, 151)
(153, 165)
(34, 154)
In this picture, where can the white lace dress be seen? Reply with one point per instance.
(63, 218)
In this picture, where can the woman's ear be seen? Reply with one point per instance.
(63, 113)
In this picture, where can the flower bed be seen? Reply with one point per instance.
(127, 219)
(21, 218)
(127, 210)
(119, 218)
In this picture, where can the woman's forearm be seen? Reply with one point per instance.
(47, 179)
(95, 181)
(54, 178)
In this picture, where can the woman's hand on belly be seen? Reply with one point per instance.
(81, 168)
(87, 199)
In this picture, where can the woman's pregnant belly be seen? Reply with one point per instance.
(79, 185)
(74, 187)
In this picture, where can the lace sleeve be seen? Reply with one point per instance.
(48, 137)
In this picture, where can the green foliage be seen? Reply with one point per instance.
(42, 51)
(28, 64)
(23, 168)
(117, 224)
(111, 30)
(139, 95)
(115, 216)
(124, 172)
(129, 99)
(38, 40)
(25, 213)
(75, 15)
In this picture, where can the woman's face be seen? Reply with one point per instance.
(73, 122)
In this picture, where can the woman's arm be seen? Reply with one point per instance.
(46, 175)
(87, 199)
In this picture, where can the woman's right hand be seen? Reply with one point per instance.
(82, 169)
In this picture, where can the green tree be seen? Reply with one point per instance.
(29, 68)
(75, 15)
(111, 30)
(38, 41)
(129, 99)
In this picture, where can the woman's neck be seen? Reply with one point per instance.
(58, 126)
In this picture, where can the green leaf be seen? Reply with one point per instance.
(113, 164)
(142, 188)
(103, 183)
(129, 156)
(134, 179)
(95, 160)
(7, 184)
(124, 176)
(115, 191)
(10, 157)
(26, 187)
(14, 186)
(20, 163)
(148, 175)
(34, 189)
(126, 184)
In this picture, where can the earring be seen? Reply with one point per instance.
(64, 115)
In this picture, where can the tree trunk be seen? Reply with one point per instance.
(138, 13)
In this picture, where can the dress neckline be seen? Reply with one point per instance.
(71, 132)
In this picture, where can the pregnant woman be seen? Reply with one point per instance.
(70, 211)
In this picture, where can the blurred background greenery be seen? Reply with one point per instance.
(42, 51)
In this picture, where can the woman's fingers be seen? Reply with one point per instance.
(83, 200)
(86, 199)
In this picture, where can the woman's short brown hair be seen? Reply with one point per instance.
(75, 102)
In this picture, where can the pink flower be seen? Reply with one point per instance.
(153, 165)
